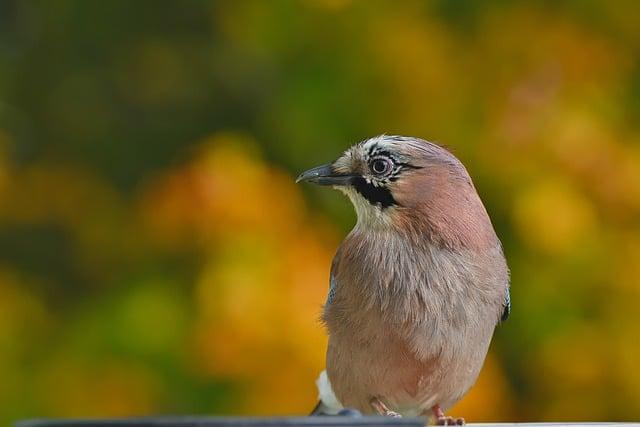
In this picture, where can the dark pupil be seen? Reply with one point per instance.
(379, 166)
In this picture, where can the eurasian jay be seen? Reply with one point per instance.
(416, 288)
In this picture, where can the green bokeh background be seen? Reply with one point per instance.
(116, 115)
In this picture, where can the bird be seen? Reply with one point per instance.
(416, 288)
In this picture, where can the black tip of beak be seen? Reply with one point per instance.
(312, 175)
(324, 175)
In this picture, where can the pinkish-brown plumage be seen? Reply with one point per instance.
(419, 284)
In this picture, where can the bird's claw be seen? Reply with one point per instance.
(382, 409)
(450, 421)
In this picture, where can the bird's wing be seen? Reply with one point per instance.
(329, 403)
(332, 289)
(333, 284)
(506, 305)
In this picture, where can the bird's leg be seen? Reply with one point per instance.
(443, 420)
(382, 409)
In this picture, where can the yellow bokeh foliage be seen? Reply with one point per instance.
(156, 255)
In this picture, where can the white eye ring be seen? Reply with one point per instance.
(381, 166)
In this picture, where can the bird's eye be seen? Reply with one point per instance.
(381, 166)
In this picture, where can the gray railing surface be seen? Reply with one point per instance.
(318, 421)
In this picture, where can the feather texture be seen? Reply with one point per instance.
(416, 288)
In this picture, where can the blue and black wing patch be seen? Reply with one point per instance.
(333, 283)
(332, 289)
(506, 311)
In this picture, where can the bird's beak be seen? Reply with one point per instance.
(324, 175)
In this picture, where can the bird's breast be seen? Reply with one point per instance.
(384, 277)
(414, 321)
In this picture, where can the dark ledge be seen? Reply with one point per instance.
(188, 421)
(317, 421)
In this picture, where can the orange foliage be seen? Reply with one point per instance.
(143, 270)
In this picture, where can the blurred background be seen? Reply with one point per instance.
(156, 256)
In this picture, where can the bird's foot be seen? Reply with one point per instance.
(382, 409)
(449, 421)
(444, 420)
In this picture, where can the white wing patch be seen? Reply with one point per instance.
(325, 393)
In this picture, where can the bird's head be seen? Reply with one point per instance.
(408, 184)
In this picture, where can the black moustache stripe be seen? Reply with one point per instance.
(380, 196)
